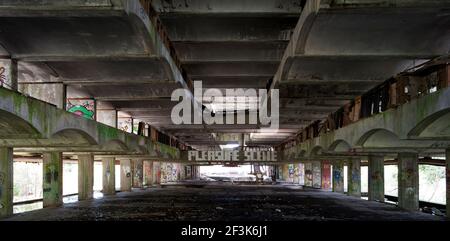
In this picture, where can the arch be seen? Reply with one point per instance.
(316, 151)
(340, 146)
(72, 136)
(115, 145)
(14, 127)
(378, 138)
(300, 154)
(436, 125)
(141, 149)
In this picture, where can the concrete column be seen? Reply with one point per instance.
(137, 170)
(85, 176)
(54, 93)
(354, 177)
(109, 176)
(408, 181)
(6, 182)
(317, 174)
(52, 175)
(308, 174)
(125, 175)
(9, 73)
(447, 171)
(376, 178)
(148, 173)
(107, 117)
(338, 176)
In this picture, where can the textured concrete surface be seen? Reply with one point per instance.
(226, 203)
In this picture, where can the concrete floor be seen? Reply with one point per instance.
(226, 203)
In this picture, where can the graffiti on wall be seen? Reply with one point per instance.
(301, 174)
(2, 75)
(5, 78)
(317, 174)
(170, 172)
(308, 175)
(81, 107)
(326, 175)
(125, 124)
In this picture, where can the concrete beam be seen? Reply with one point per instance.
(85, 176)
(408, 181)
(384, 130)
(376, 178)
(202, 28)
(109, 174)
(52, 179)
(6, 182)
(229, 7)
(32, 123)
(192, 52)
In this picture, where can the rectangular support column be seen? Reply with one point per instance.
(137, 170)
(338, 176)
(376, 178)
(308, 174)
(354, 177)
(125, 175)
(447, 171)
(52, 175)
(109, 176)
(408, 181)
(326, 175)
(317, 174)
(6, 182)
(85, 176)
(148, 173)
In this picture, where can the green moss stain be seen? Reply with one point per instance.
(107, 133)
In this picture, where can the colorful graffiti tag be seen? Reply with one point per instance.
(125, 124)
(82, 107)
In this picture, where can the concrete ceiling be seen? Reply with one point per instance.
(100, 51)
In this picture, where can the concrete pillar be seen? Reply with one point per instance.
(148, 173)
(354, 177)
(376, 178)
(338, 176)
(107, 117)
(109, 176)
(125, 175)
(137, 173)
(9, 73)
(6, 182)
(54, 93)
(308, 174)
(52, 175)
(317, 174)
(408, 181)
(326, 175)
(447, 171)
(85, 176)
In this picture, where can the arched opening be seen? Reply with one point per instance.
(73, 137)
(14, 127)
(434, 126)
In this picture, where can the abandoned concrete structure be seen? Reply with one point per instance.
(361, 83)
